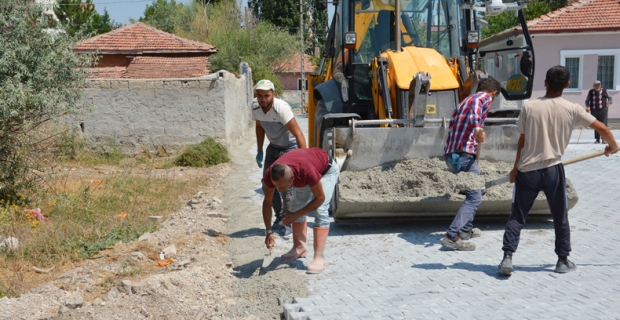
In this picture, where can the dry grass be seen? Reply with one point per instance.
(89, 208)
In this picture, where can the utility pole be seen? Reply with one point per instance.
(303, 79)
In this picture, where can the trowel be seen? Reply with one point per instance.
(495, 182)
(268, 258)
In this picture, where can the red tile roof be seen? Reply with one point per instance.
(167, 67)
(585, 15)
(141, 38)
(155, 68)
(293, 65)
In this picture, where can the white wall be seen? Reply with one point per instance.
(172, 113)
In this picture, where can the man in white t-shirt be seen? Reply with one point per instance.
(274, 119)
(545, 125)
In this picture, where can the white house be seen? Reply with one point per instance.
(583, 36)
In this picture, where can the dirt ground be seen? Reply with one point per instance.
(216, 273)
(216, 243)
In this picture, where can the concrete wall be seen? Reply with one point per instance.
(172, 113)
(293, 97)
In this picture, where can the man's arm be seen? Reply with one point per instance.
(269, 238)
(520, 144)
(319, 198)
(260, 135)
(608, 98)
(588, 98)
(475, 117)
(294, 128)
(601, 128)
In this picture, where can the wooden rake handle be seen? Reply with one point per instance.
(565, 162)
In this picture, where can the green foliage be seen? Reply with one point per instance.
(319, 28)
(282, 13)
(40, 79)
(167, 15)
(205, 154)
(507, 20)
(124, 233)
(285, 15)
(238, 38)
(70, 145)
(261, 44)
(81, 18)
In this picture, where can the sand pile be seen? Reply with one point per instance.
(424, 178)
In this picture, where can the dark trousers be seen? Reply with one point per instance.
(274, 153)
(600, 115)
(527, 186)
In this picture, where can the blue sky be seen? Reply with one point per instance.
(122, 10)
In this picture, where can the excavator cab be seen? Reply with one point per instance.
(392, 73)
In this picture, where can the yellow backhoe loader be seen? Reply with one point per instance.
(392, 73)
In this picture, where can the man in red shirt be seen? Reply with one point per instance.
(312, 175)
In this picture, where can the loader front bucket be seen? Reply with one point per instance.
(382, 179)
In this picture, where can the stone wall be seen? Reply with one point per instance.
(293, 97)
(147, 113)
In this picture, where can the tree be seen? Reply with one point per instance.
(40, 79)
(81, 18)
(319, 27)
(104, 24)
(167, 15)
(282, 13)
(240, 38)
(285, 14)
(507, 20)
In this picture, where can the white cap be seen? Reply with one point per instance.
(597, 82)
(264, 85)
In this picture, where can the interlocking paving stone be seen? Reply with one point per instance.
(397, 270)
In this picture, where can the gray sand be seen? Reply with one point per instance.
(423, 178)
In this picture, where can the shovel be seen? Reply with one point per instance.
(565, 162)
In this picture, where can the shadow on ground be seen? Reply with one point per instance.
(489, 270)
(252, 232)
(250, 269)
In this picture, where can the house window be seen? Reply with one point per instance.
(605, 72)
(299, 84)
(572, 64)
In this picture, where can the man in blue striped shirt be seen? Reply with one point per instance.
(465, 132)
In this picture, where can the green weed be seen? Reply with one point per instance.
(205, 154)
(71, 145)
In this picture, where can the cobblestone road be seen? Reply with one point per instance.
(398, 271)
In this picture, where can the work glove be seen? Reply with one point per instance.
(259, 158)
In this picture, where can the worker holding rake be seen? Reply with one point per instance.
(461, 150)
(545, 125)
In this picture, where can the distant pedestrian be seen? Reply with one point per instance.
(545, 125)
(466, 131)
(274, 119)
(597, 103)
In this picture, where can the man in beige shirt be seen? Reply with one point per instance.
(545, 125)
